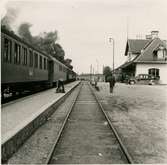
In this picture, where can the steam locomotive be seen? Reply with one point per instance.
(24, 67)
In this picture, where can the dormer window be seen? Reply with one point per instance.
(160, 53)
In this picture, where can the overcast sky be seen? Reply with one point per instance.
(84, 26)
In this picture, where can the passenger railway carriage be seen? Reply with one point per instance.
(23, 67)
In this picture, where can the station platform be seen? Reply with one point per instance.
(17, 114)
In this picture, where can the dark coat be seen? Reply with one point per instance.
(111, 80)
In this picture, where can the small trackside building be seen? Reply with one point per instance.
(147, 56)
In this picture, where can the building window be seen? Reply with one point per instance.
(31, 58)
(40, 62)
(36, 60)
(154, 72)
(17, 53)
(7, 50)
(24, 56)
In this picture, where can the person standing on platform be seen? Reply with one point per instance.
(60, 86)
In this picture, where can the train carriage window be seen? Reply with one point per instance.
(7, 50)
(40, 62)
(44, 63)
(47, 64)
(24, 56)
(31, 58)
(36, 60)
(17, 53)
(60, 67)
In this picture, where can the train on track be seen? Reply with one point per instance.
(24, 67)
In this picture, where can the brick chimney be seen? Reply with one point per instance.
(154, 34)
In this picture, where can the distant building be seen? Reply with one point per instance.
(88, 77)
(145, 56)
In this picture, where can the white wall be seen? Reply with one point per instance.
(143, 69)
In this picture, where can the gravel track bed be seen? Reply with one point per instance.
(87, 137)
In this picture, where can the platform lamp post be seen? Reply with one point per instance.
(91, 73)
(112, 40)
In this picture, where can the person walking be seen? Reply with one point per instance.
(111, 80)
(96, 80)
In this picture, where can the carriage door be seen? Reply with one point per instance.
(50, 72)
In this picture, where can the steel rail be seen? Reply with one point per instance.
(62, 128)
(123, 147)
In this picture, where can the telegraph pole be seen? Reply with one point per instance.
(112, 39)
(91, 73)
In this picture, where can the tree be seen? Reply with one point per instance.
(45, 41)
(68, 63)
(107, 72)
(58, 52)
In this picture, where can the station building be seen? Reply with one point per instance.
(145, 56)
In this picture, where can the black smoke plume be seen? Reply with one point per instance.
(24, 32)
(45, 41)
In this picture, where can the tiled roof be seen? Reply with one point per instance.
(135, 45)
(147, 54)
(148, 46)
(124, 65)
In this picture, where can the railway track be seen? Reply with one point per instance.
(87, 135)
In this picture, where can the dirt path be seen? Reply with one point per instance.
(139, 113)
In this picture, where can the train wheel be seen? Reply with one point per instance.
(14, 93)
